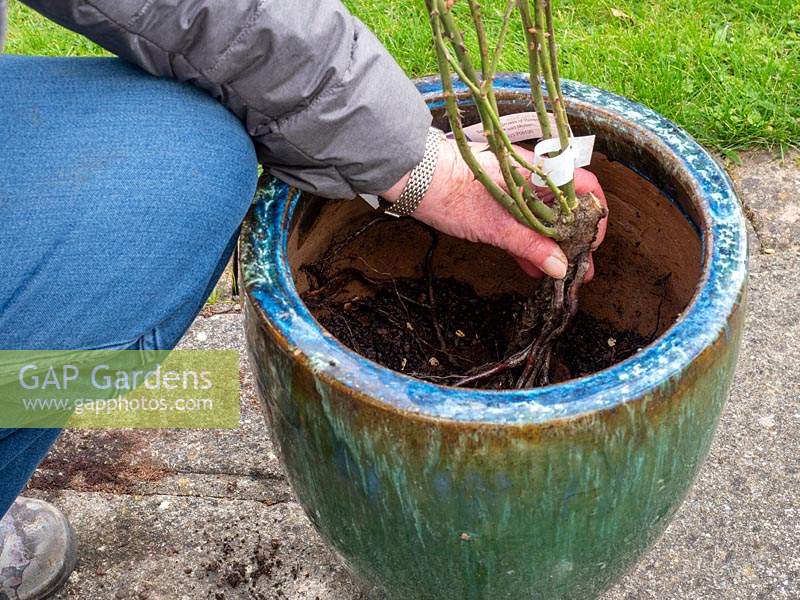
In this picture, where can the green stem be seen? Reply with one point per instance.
(553, 91)
(480, 99)
(486, 89)
(533, 67)
(518, 204)
(521, 201)
(449, 27)
(455, 117)
(480, 30)
(539, 208)
(521, 161)
(483, 103)
(520, 197)
(488, 69)
(551, 44)
(544, 61)
(501, 39)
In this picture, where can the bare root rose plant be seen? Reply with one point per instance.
(569, 219)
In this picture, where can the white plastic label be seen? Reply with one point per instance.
(583, 146)
(518, 127)
(561, 169)
(371, 199)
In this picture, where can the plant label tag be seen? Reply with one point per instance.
(561, 169)
(583, 146)
(519, 127)
(371, 199)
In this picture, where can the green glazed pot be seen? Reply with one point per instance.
(439, 493)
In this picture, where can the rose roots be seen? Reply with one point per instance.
(551, 309)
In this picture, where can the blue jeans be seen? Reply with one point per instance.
(121, 197)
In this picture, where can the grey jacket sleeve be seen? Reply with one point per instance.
(329, 109)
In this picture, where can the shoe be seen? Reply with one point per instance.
(37, 550)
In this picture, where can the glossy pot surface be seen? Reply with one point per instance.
(435, 492)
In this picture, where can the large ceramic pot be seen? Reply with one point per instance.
(435, 493)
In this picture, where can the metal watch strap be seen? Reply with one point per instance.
(420, 179)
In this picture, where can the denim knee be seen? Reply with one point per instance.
(140, 185)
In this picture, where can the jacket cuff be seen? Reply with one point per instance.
(360, 134)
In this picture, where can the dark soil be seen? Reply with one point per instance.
(98, 461)
(397, 326)
(550, 311)
(264, 572)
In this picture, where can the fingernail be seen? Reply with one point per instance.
(555, 265)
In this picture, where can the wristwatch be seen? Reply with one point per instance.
(420, 178)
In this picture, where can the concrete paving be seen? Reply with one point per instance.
(209, 514)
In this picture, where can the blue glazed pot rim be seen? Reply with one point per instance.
(271, 290)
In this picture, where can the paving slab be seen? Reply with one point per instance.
(166, 548)
(209, 514)
(770, 191)
(737, 536)
(175, 461)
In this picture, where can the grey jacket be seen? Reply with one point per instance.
(328, 108)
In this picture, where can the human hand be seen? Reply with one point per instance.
(458, 205)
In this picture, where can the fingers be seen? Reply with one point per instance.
(532, 251)
(482, 220)
(586, 182)
(535, 272)
(529, 268)
(590, 272)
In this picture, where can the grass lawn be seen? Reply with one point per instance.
(726, 70)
